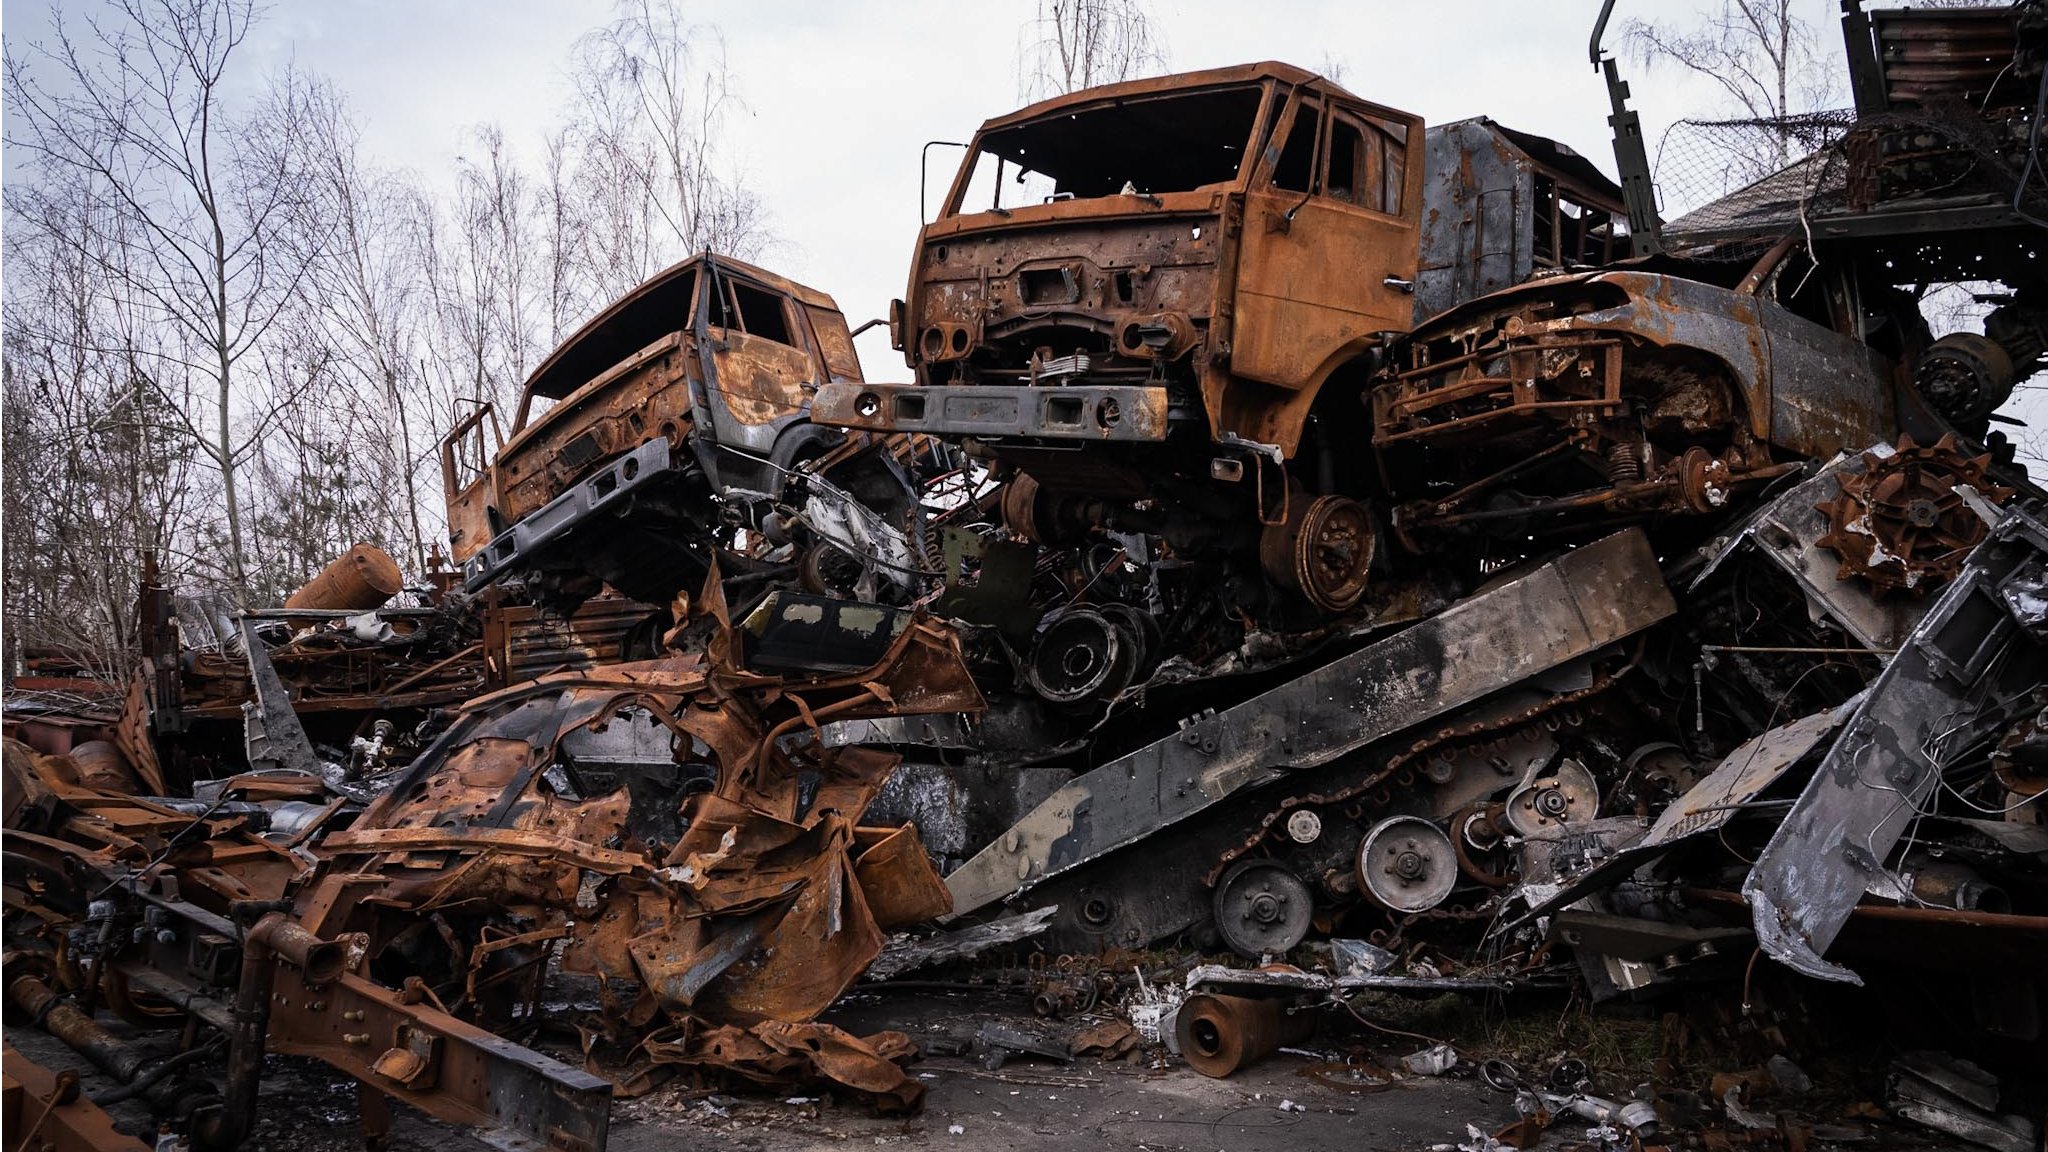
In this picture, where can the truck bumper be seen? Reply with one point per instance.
(1074, 412)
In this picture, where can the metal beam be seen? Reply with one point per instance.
(1570, 607)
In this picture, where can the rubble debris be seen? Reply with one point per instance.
(1581, 622)
(668, 420)
(1958, 1098)
(1316, 718)
(1951, 685)
(1109, 1040)
(1900, 523)
(40, 1109)
(997, 1042)
(1434, 1060)
(907, 953)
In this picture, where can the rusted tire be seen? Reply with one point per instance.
(1322, 552)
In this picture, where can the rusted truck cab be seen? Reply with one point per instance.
(1175, 268)
(689, 392)
(1204, 247)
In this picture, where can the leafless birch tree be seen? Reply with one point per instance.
(1075, 44)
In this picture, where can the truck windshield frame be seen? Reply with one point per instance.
(1149, 145)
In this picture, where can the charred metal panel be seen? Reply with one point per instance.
(1954, 682)
(610, 489)
(1573, 606)
(1323, 268)
(1497, 205)
(1085, 265)
(523, 642)
(1751, 768)
(1788, 530)
(710, 351)
(1074, 412)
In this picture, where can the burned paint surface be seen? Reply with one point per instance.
(710, 351)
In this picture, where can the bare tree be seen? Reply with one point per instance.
(367, 301)
(1079, 44)
(653, 99)
(232, 339)
(97, 474)
(133, 113)
(1770, 64)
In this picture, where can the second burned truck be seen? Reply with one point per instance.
(1189, 307)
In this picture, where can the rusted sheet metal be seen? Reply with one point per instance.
(1501, 204)
(522, 641)
(398, 1044)
(1801, 387)
(781, 1054)
(1787, 530)
(1734, 783)
(1927, 56)
(749, 906)
(1571, 607)
(1901, 524)
(901, 886)
(450, 1070)
(1326, 259)
(1683, 392)
(58, 732)
(43, 1111)
(710, 352)
(1952, 683)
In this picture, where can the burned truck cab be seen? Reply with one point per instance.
(1170, 271)
(681, 401)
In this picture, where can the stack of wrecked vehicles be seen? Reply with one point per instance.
(1269, 562)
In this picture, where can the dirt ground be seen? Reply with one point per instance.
(1028, 1103)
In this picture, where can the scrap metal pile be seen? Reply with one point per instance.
(1270, 564)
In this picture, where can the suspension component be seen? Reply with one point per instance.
(1407, 864)
(1262, 909)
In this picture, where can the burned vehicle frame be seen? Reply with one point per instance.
(674, 419)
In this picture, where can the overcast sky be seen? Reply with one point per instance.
(840, 97)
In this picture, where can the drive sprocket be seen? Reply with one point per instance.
(1900, 525)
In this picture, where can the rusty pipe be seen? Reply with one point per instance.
(360, 579)
(275, 935)
(75, 1028)
(1220, 1035)
(321, 960)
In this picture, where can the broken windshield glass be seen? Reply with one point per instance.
(1166, 144)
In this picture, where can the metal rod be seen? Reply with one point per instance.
(1796, 650)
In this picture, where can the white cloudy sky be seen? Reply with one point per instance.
(841, 96)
